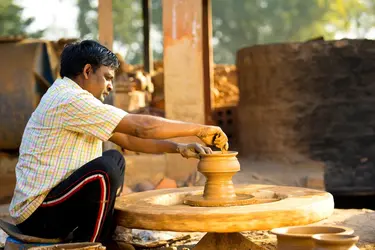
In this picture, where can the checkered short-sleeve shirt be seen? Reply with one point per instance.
(64, 132)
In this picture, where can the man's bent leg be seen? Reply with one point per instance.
(82, 203)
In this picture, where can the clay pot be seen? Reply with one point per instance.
(300, 237)
(219, 168)
(166, 183)
(334, 242)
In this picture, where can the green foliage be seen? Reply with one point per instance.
(239, 23)
(87, 19)
(11, 23)
(243, 23)
(127, 20)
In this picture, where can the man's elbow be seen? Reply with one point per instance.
(140, 133)
(137, 126)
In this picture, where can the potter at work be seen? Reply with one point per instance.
(66, 187)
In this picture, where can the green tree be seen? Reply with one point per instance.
(11, 22)
(127, 19)
(241, 23)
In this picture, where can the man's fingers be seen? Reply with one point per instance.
(207, 150)
(220, 138)
(196, 156)
(221, 143)
(194, 150)
(185, 153)
(198, 148)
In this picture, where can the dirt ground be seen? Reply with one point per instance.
(362, 221)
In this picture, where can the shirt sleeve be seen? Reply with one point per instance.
(85, 114)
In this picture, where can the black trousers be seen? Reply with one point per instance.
(81, 206)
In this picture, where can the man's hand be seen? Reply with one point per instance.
(192, 150)
(213, 136)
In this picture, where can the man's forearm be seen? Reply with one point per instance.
(151, 146)
(152, 127)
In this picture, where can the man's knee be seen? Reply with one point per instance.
(117, 157)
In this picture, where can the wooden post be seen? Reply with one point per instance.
(105, 26)
(147, 48)
(105, 23)
(187, 69)
(208, 71)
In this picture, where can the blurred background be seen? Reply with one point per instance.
(276, 57)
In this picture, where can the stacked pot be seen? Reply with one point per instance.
(315, 238)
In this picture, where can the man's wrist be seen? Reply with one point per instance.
(198, 132)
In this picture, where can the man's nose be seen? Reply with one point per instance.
(109, 87)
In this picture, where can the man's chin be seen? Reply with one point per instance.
(101, 98)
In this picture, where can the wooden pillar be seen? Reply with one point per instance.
(105, 27)
(187, 67)
(187, 58)
(208, 65)
(105, 23)
(147, 48)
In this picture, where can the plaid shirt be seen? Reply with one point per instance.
(64, 132)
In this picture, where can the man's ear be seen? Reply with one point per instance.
(87, 69)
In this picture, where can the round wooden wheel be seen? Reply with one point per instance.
(273, 206)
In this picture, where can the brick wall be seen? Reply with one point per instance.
(313, 100)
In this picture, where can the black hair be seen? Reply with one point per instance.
(76, 55)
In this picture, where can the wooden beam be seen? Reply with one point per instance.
(208, 70)
(147, 48)
(105, 27)
(105, 23)
(186, 59)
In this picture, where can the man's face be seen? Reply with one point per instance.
(99, 83)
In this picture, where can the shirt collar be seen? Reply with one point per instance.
(71, 83)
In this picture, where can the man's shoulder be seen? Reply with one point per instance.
(65, 92)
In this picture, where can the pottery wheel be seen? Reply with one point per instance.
(271, 207)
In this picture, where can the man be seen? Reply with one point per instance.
(66, 187)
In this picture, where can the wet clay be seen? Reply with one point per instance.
(300, 237)
(219, 168)
(335, 242)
